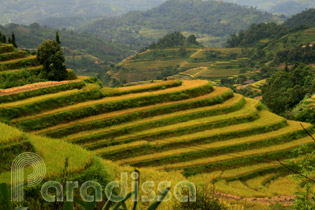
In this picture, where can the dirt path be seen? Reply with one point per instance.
(283, 199)
(34, 86)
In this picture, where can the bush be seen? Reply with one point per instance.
(205, 201)
(19, 78)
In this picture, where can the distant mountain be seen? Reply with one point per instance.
(207, 19)
(286, 7)
(289, 8)
(26, 12)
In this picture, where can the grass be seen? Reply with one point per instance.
(186, 85)
(25, 68)
(12, 55)
(18, 96)
(134, 100)
(188, 128)
(263, 121)
(265, 150)
(30, 61)
(79, 159)
(262, 125)
(9, 134)
(123, 116)
(50, 101)
(227, 106)
(226, 146)
(248, 110)
(6, 48)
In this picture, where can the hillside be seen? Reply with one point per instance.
(209, 20)
(81, 50)
(286, 7)
(167, 129)
(306, 17)
(187, 63)
(27, 12)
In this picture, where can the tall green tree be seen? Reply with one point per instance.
(13, 41)
(50, 55)
(286, 88)
(57, 37)
(3, 38)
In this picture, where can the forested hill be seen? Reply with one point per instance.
(306, 17)
(286, 7)
(213, 18)
(267, 31)
(75, 44)
(26, 12)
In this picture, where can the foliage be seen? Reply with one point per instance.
(74, 43)
(203, 17)
(50, 55)
(175, 39)
(205, 201)
(306, 17)
(287, 88)
(21, 77)
(305, 200)
(307, 115)
(301, 53)
(255, 33)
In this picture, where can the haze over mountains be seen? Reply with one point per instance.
(50, 11)
(26, 12)
(210, 20)
(286, 7)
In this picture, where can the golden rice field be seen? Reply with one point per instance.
(152, 63)
(209, 135)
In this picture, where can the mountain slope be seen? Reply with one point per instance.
(26, 12)
(211, 18)
(206, 132)
(306, 17)
(286, 7)
(81, 49)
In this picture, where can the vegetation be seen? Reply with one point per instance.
(50, 55)
(306, 17)
(286, 88)
(303, 53)
(68, 13)
(80, 49)
(175, 39)
(200, 17)
(187, 125)
(255, 33)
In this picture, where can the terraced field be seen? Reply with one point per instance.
(17, 68)
(197, 63)
(207, 133)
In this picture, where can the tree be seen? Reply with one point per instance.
(13, 41)
(50, 55)
(9, 40)
(285, 89)
(3, 38)
(57, 37)
(193, 40)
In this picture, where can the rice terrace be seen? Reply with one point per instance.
(235, 123)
